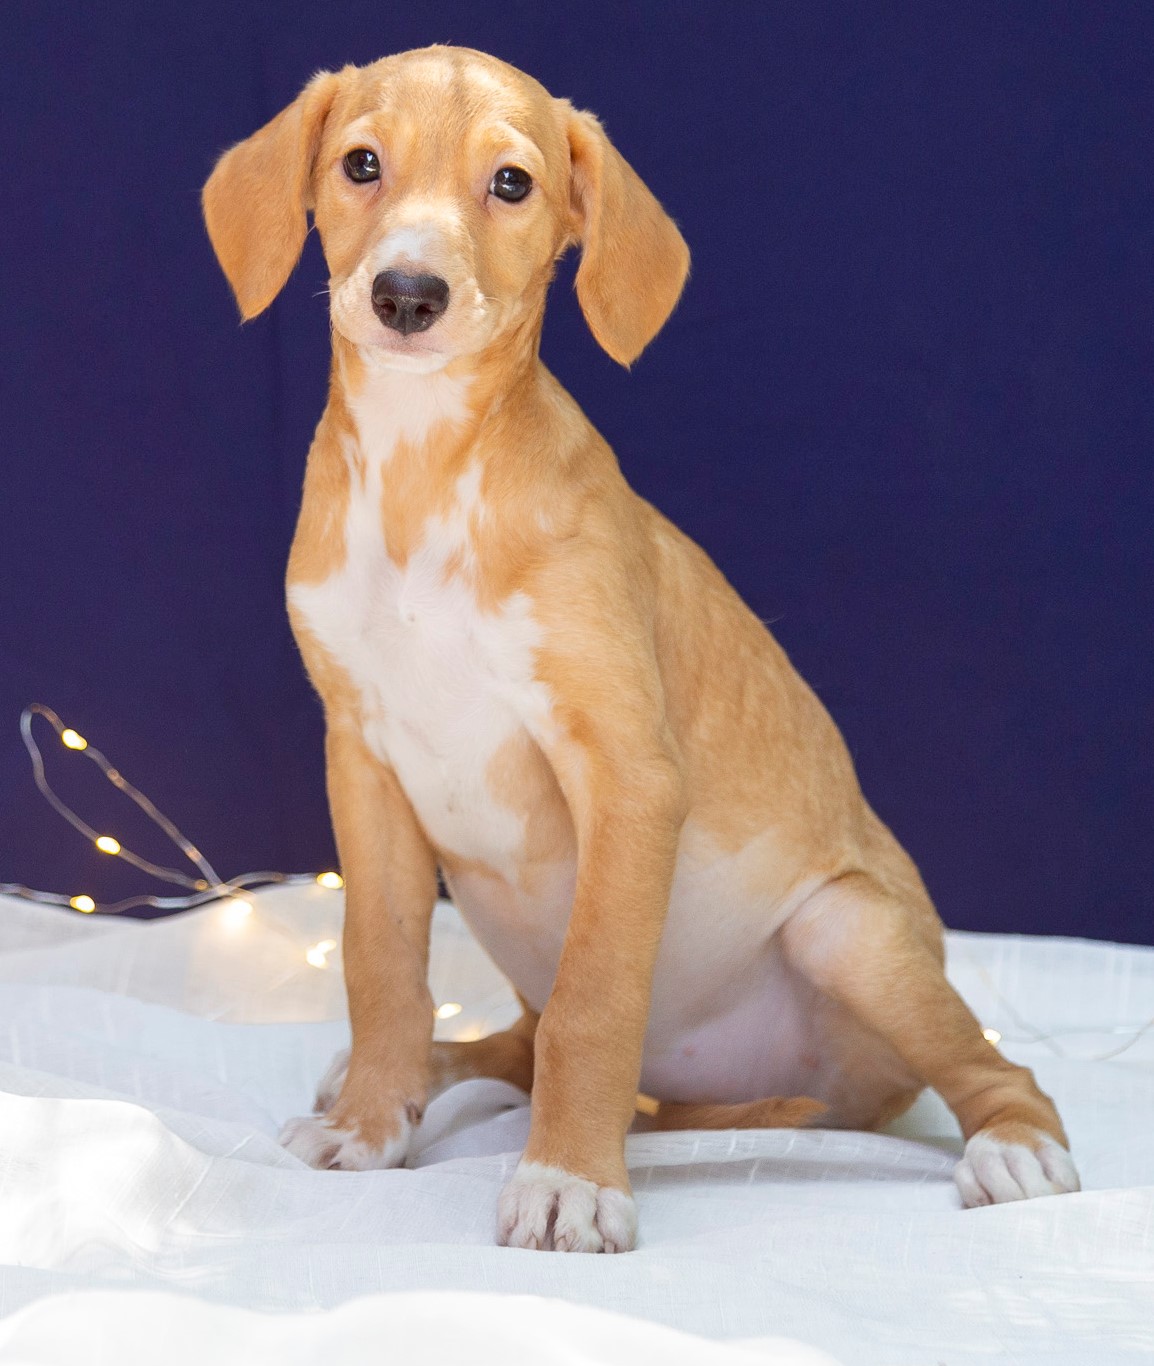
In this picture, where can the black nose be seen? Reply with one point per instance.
(409, 303)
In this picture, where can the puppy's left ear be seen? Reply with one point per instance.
(634, 262)
(256, 201)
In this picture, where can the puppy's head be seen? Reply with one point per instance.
(444, 185)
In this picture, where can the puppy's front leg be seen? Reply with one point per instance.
(571, 1190)
(390, 888)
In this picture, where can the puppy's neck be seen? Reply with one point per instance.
(440, 413)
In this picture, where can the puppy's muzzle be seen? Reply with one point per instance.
(409, 303)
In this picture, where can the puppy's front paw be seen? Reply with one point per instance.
(550, 1209)
(329, 1145)
(1013, 1164)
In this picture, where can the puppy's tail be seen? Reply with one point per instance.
(776, 1112)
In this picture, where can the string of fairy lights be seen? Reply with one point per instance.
(200, 889)
(237, 907)
(208, 886)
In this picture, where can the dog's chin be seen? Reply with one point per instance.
(404, 354)
(409, 362)
(421, 353)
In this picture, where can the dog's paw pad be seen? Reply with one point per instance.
(995, 1170)
(331, 1148)
(547, 1208)
(329, 1086)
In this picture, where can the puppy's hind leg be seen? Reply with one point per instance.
(869, 950)
(504, 1056)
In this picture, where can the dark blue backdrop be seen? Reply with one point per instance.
(905, 404)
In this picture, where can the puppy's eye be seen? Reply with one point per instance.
(362, 165)
(511, 183)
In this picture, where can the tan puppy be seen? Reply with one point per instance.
(534, 681)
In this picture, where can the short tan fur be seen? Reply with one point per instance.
(535, 682)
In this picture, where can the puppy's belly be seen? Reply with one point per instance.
(743, 1036)
(729, 1020)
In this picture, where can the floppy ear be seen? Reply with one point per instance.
(633, 260)
(257, 199)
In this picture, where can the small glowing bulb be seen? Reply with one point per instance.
(82, 903)
(992, 1036)
(72, 740)
(333, 881)
(236, 911)
(319, 953)
(448, 1010)
(107, 845)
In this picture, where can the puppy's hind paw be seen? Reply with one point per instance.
(328, 1147)
(998, 1167)
(329, 1086)
(549, 1209)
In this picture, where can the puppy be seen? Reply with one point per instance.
(534, 682)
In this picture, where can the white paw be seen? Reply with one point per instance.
(315, 1141)
(993, 1171)
(550, 1209)
(329, 1086)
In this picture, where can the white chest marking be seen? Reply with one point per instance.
(441, 684)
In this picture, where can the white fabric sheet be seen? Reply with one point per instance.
(146, 1068)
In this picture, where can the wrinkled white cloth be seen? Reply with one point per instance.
(422, 1329)
(145, 1070)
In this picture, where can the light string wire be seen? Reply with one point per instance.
(209, 876)
(1049, 1037)
(210, 886)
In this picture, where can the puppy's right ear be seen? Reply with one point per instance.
(256, 201)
